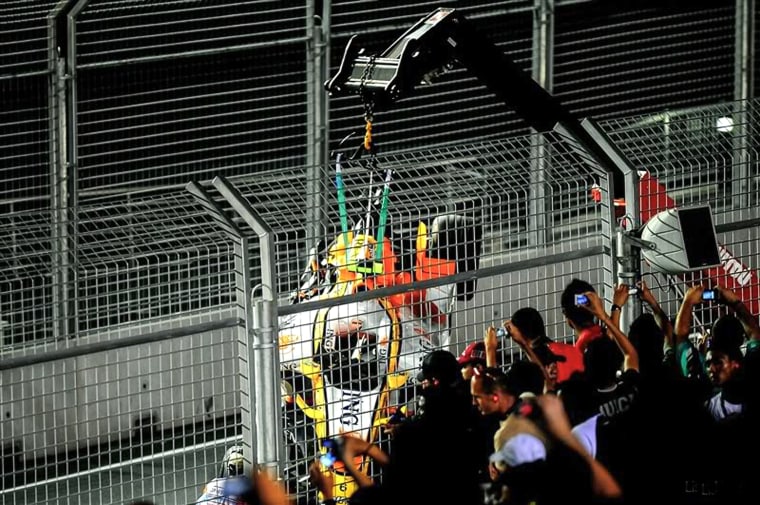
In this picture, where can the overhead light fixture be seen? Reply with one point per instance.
(725, 124)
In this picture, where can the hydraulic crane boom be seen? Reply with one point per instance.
(437, 43)
(429, 48)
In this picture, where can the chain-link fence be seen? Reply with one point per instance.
(126, 310)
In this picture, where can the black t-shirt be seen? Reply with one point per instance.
(432, 455)
(619, 398)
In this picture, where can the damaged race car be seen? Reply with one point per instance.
(348, 366)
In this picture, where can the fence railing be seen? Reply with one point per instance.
(165, 403)
(113, 388)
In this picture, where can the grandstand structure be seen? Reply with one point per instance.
(167, 166)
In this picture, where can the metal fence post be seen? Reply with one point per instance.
(627, 264)
(743, 91)
(317, 138)
(63, 177)
(263, 365)
(543, 63)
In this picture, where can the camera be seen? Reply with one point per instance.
(581, 299)
(397, 417)
(710, 294)
(329, 458)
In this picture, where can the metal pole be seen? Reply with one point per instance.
(60, 247)
(743, 81)
(71, 177)
(245, 312)
(623, 261)
(316, 129)
(543, 56)
(264, 362)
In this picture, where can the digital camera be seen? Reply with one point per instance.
(710, 294)
(330, 456)
(581, 299)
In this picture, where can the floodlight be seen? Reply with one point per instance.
(683, 240)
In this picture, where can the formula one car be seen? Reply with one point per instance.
(349, 366)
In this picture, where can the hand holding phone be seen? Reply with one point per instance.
(710, 295)
(581, 300)
(330, 456)
(328, 459)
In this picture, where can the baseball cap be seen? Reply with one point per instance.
(441, 365)
(473, 353)
(519, 449)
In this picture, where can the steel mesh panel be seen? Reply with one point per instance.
(349, 362)
(137, 260)
(162, 124)
(76, 429)
(612, 62)
(696, 162)
(694, 158)
(23, 36)
(110, 31)
(26, 298)
(488, 181)
(24, 144)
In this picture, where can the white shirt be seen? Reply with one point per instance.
(720, 408)
(585, 433)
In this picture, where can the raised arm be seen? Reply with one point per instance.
(517, 336)
(732, 300)
(558, 424)
(619, 299)
(491, 343)
(692, 297)
(663, 321)
(352, 447)
(630, 355)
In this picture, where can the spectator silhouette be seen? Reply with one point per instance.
(425, 449)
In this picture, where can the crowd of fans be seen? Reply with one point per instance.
(614, 418)
(647, 416)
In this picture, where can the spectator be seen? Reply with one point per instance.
(234, 487)
(615, 437)
(423, 447)
(579, 319)
(496, 395)
(473, 357)
(662, 389)
(497, 392)
(368, 492)
(688, 358)
(541, 354)
(530, 323)
(542, 463)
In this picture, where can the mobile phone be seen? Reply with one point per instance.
(397, 417)
(710, 294)
(330, 456)
(581, 299)
(328, 459)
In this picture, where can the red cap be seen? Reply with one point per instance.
(475, 351)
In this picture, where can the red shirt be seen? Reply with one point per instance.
(573, 359)
(586, 335)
